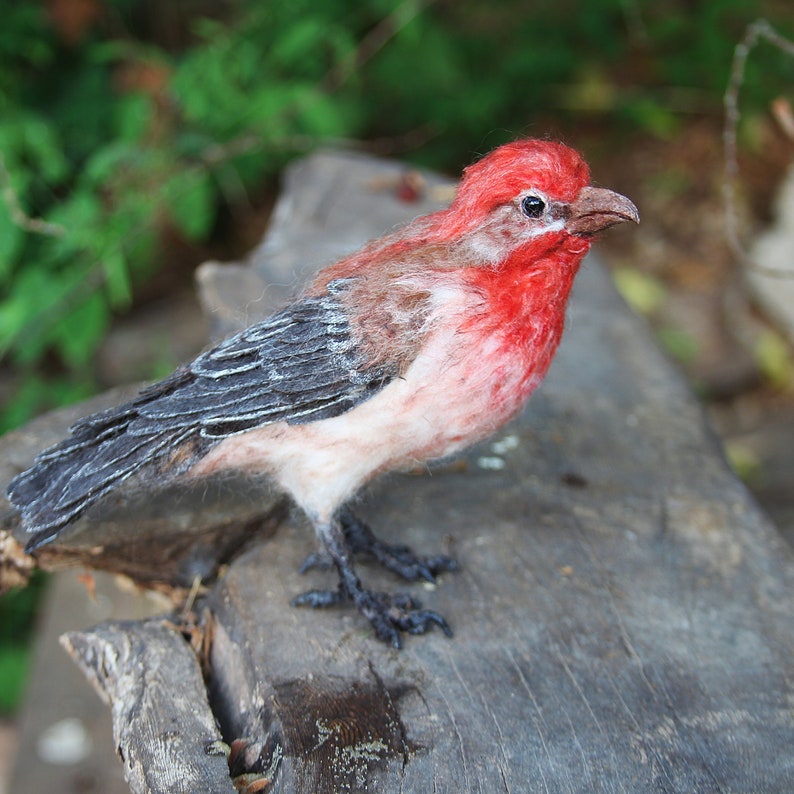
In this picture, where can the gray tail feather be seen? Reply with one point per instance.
(58, 488)
(99, 454)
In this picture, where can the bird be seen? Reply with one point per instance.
(409, 350)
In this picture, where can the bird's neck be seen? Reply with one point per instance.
(523, 310)
(531, 287)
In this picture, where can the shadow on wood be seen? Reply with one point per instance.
(623, 619)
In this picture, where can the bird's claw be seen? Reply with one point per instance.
(388, 614)
(396, 558)
(412, 567)
(318, 599)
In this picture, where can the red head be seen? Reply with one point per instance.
(552, 168)
(526, 189)
(518, 202)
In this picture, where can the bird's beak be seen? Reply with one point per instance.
(597, 208)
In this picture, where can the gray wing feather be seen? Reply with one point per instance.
(299, 365)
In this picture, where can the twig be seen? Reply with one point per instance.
(784, 116)
(374, 42)
(760, 30)
(18, 216)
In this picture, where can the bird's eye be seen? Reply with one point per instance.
(533, 206)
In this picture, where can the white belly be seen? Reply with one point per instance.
(443, 403)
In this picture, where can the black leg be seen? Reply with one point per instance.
(360, 539)
(388, 614)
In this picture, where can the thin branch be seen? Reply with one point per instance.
(18, 216)
(375, 40)
(758, 31)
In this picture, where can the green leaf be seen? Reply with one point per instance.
(191, 203)
(32, 293)
(106, 162)
(117, 276)
(653, 116)
(13, 316)
(644, 293)
(31, 151)
(270, 108)
(79, 333)
(80, 215)
(133, 116)
(19, 408)
(320, 115)
(744, 459)
(773, 357)
(42, 142)
(302, 41)
(14, 666)
(11, 239)
(679, 344)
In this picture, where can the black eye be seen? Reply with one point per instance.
(533, 206)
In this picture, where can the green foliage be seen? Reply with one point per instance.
(17, 622)
(14, 664)
(116, 127)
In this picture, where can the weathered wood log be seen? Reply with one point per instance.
(163, 727)
(623, 616)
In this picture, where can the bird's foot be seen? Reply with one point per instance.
(399, 559)
(389, 614)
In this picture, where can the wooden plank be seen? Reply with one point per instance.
(57, 696)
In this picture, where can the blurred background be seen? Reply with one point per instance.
(140, 138)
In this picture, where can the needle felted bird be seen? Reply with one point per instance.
(409, 350)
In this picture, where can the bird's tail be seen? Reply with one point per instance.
(99, 454)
